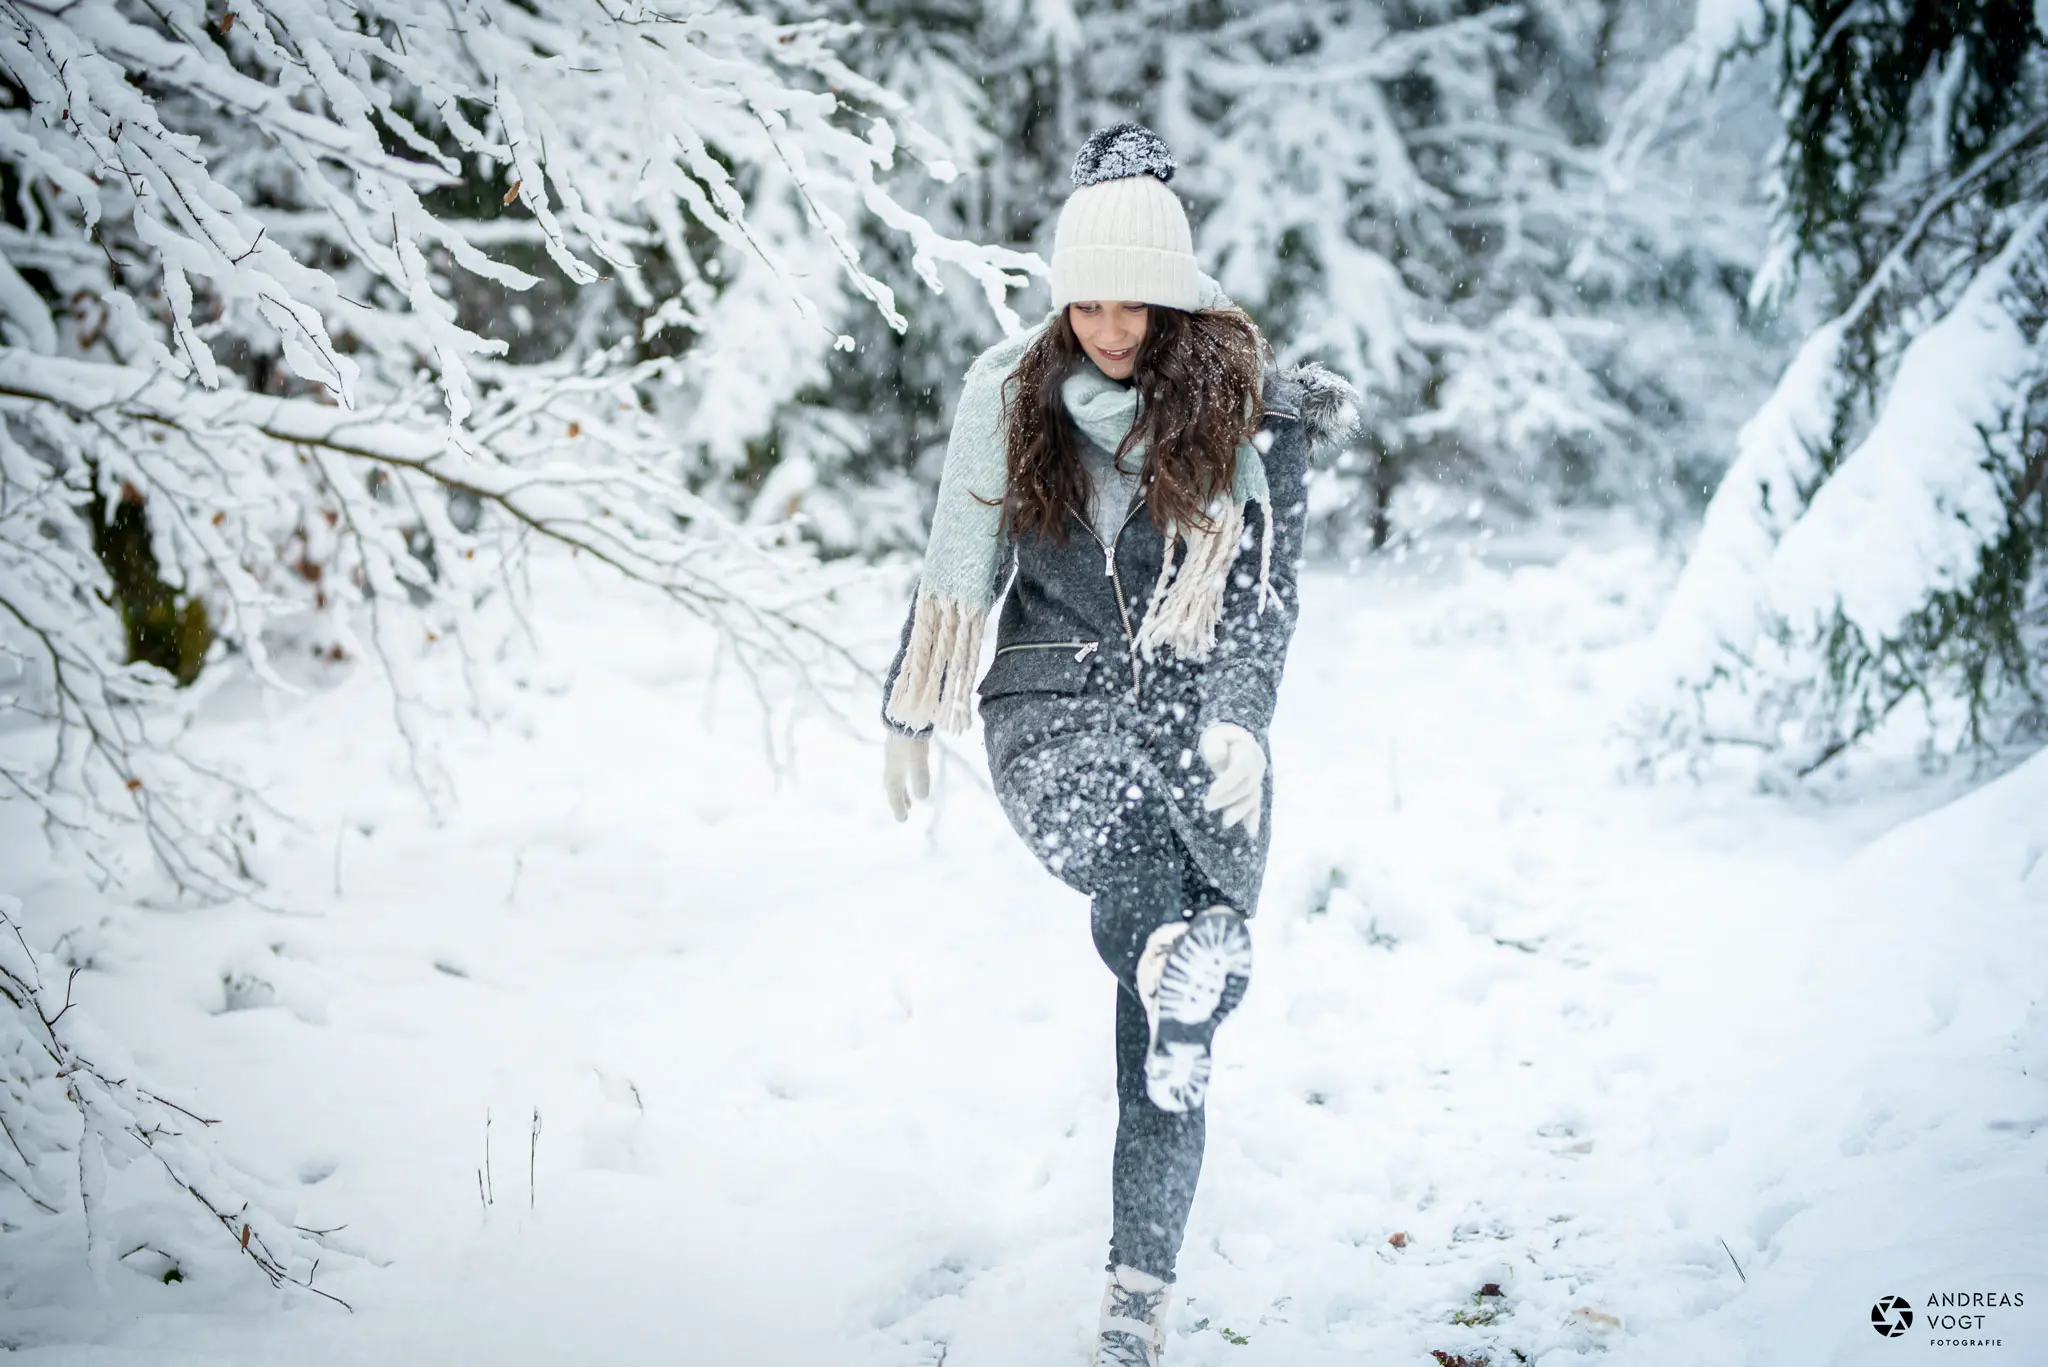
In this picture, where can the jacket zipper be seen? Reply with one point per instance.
(1082, 649)
(1109, 568)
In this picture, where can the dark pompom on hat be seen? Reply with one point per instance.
(1122, 149)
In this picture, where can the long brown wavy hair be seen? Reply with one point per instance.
(1198, 376)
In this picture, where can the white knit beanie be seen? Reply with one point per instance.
(1122, 234)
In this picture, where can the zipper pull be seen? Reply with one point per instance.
(1109, 560)
(1085, 651)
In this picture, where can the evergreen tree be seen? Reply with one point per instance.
(1879, 537)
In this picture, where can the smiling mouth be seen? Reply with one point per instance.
(1114, 355)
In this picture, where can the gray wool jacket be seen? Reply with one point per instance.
(1073, 716)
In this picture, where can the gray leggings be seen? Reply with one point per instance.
(1146, 881)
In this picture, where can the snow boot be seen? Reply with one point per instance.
(1133, 1330)
(1191, 975)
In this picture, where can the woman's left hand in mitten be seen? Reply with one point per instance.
(906, 771)
(1239, 764)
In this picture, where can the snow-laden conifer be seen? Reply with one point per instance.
(1877, 540)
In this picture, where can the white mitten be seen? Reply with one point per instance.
(1239, 764)
(906, 771)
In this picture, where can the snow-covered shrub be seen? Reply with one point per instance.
(1878, 539)
(265, 275)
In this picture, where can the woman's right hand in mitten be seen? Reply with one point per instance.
(906, 771)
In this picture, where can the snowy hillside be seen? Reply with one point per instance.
(1687, 1074)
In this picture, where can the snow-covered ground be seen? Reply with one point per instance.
(1691, 1074)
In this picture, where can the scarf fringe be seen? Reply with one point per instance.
(1266, 596)
(934, 686)
(1186, 606)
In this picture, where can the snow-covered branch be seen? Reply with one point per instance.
(71, 1116)
(272, 372)
(1917, 474)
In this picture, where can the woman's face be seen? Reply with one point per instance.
(1110, 332)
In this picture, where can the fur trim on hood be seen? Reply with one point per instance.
(1326, 403)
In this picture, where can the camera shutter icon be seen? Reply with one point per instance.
(1892, 1316)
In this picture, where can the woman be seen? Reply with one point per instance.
(1138, 468)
